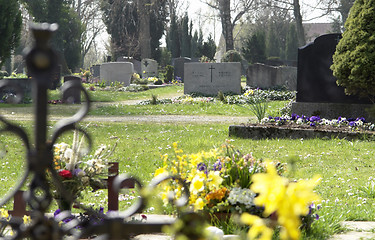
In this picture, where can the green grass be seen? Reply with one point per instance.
(184, 109)
(110, 96)
(346, 167)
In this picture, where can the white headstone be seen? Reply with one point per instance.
(116, 72)
(210, 78)
(149, 68)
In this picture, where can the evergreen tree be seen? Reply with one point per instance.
(185, 37)
(273, 44)
(173, 42)
(254, 50)
(208, 48)
(354, 59)
(194, 51)
(10, 28)
(291, 44)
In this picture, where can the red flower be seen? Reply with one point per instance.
(65, 174)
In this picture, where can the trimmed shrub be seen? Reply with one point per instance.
(232, 56)
(354, 59)
(169, 74)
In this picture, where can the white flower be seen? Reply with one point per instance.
(299, 121)
(68, 153)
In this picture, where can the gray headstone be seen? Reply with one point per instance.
(95, 71)
(178, 64)
(315, 81)
(72, 95)
(264, 76)
(210, 78)
(136, 63)
(116, 72)
(149, 68)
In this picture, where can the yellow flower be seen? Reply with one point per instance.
(3, 213)
(258, 227)
(199, 204)
(289, 200)
(26, 219)
(197, 184)
(214, 179)
(160, 171)
(271, 188)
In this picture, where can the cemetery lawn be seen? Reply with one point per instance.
(346, 167)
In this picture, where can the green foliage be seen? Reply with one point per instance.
(10, 28)
(169, 74)
(353, 61)
(165, 58)
(3, 74)
(208, 48)
(254, 50)
(67, 39)
(173, 39)
(232, 56)
(259, 109)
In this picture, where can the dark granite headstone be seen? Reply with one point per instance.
(178, 64)
(72, 95)
(136, 63)
(315, 81)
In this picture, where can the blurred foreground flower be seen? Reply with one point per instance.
(286, 201)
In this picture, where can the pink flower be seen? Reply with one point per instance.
(65, 174)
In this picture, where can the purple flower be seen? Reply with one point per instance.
(314, 119)
(217, 165)
(57, 212)
(202, 167)
(77, 171)
(352, 124)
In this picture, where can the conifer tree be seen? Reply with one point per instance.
(354, 59)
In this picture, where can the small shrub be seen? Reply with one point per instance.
(232, 56)
(154, 99)
(3, 74)
(220, 96)
(169, 74)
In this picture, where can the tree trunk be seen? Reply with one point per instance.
(144, 33)
(226, 23)
(299, 26)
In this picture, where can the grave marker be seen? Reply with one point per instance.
(149, 68)
(178, 64)
(317, 91)
(116, 72)
(210, 78)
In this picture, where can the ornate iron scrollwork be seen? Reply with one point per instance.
(41, 62)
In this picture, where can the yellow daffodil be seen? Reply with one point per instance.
(289, 200)
(259, 229)
(160, 171)
(197, 184)
(199, 204)
(271, 188)
(214, 179)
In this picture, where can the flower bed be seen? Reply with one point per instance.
(296, 127)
